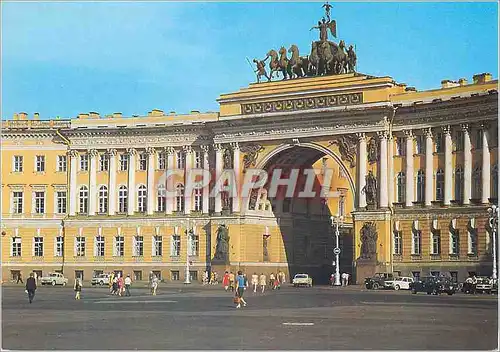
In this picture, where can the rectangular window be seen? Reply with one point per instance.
(176, 246)
(17, 202)
(459, 141)
(157, 246)
(417, 243)
(398, 245)
(80, 246)
(40, 202)
(119, 246)
(194, 244)
(18, 163)
(157, 273)
(61, 202)
(420, 144)
(61, 163)
(138, 246)
(454, 243)
(137, 275)
(123, 162)
(472, 242)
(143, 162)
(439, 142)
(193, 275)
(174, 275)
(99, 246)
(40, 163)
(59, 250)
(162, 161)
(400, 146)
(198, 160)
(84, 162)
(16, 247)
(342, 206)
(38, 246)
(180, 159)
(479, 139)
(436, 242)
(79, 274)
(103, 162)
(416, 275)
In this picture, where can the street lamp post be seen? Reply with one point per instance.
(337, 220)
(493, 213)
(188, 278)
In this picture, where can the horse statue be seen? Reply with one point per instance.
(298, 64)
(326, 58)
(351, 59)
(273, 64)
(284, 64)
(340, 65)
(314, 61)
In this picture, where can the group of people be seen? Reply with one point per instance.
(230, 282)
(210, 278)
(118, 285)
(344, 279)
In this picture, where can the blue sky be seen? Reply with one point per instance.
(61, 59)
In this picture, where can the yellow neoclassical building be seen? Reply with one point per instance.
(89, 194)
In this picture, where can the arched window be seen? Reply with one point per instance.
(142, 196)
(342, 206)
(476, 183)
(161, 198)
(83, 199)
(103, 199)
(494, 181)
(439, 184)
(420, 186)
(122, 199)
(401, 187)
(179, 197)
(459, 184)
(198, 197)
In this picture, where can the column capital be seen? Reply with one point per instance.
(361, 136)
(131, 151)
(112, 152)
(427, 132)
(205, 148)
(235, 145)
(187, 149)
(446, 130)
(383, 135)
(465, 127)
(409, 134)
(218, 147)
(484, 126)
(169, 150)
(150, 151)
(93, 152)
(73, 153)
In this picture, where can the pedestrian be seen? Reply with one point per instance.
(347, 279)
(271, 280)
(31, 287)
(343, 279)
(240, 281)
(225, 281)
(154, 285)
(283, 277)
(262, 281)
(121, 285)
(19, 278)
(255, 282)
(114, 287)
(128, 282)
(231, 281)
(78, 287)
(212, 278)
(276, 283)
(205, 278)
(332, 280)
(111, 281)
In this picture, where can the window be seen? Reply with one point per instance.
(479, 139)
(40, 163)
(162, 161)
(454, 276)
(59, 250)
(99, 246)
(79, 274)
(179, 197)
(174, 275)
(472, 242)
(142, 195)
(137, 275)
(83, 200)
(459, 141)
(180, 159)
(157, 246)
(398, 243)
(122, 199)
(416, 275)
(103, 162)
(103, 199)
(161, 198)
(194, 243)
(420, 186)
(420, 144)
(494, 181)
(61, 202)
(342, 206)
(17, 202)
(439, 142)
(436, 242)
(459, 184)
(454, 242)
(416, 244)
(193, 275)
(143, 162)
(138, 249)
(400, 146)
(123, 162)
(18, 163)
(198, 160)
(439, 184)
(157, 273)
(476, 183)
(401, 187)
(198, 199)
(16, 247)
(84, 162)
(80, 246)
(39, 202)
(119, 248)
(61, 163)
(175, 249)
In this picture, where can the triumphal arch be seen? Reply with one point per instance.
(406, 176)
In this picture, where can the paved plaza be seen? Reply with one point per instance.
(197, 317)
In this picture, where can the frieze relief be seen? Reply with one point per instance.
(251, 152)
(347, 146)
(143, 141)
(302, 103)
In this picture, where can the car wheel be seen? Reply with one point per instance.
(375, 286)
(294, 285)
(396, 287)
(429, 292)
(450, 293)
(64, 283)
(435, 292)
(53, 283)
(414, 291)
(488, 292)
(101, 283)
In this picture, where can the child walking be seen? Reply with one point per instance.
(78, 288)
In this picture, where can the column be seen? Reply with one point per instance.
(391, 170)
(410, 177)
(131, 181)
(170, 181)
(93, 182)
(486, 168)
(237, 176)
(448, 170)
(206, 189)
(188, 194)
(73, 196)
(219, 152)
(112, 182)
(467, 165)
(150, 180)
(429, 166)
(362, 160)
(384, 200)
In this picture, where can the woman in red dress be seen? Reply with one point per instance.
(225, 281)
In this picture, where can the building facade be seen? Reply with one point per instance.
(92, 194)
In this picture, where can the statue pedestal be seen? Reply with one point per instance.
(365, 268)
(220, 267)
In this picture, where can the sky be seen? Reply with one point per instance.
(64, 58)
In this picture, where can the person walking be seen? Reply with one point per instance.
(111, 281)
(231, 281)
(262, 281)
(255, 282)
(271, 280)
(78, 288)
(114, 286)
(225, 281)
(31, 287)
(19, 278)
(240, 282)
(283, 277)
(154, 285)
(128, 282)
(121, 286)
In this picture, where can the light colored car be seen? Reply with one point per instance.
(101, 279)
(302, 280)
(484, 284)
(54, 279)
(399, 283)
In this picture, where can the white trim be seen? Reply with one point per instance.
(34, 147)
(111, 264)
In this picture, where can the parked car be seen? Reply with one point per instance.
(399, 283)
(433, 285)
(302, 280)
(101, 279)
(378, 280)
(484, 284)
(54, 279)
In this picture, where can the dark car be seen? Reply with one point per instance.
(433, 285)
(378, 281)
